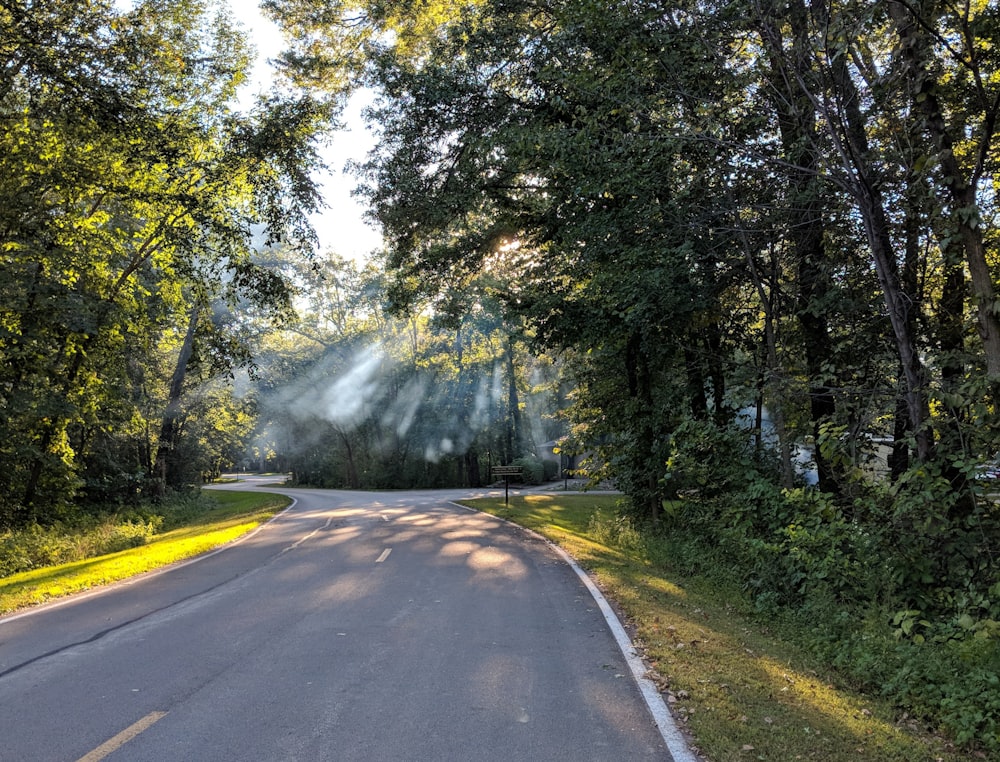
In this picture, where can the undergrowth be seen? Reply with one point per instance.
(742, 681)
(88, 536)
(832, 589)
(896, 584)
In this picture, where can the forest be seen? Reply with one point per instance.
(738, 258)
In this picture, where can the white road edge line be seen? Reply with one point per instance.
(671, 734)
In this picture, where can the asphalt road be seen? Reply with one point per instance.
(354, 626)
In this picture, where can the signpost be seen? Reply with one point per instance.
(506, 472)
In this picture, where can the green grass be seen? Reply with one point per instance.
(234, 514)
(740, 690)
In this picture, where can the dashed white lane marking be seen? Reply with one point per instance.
(385, 555)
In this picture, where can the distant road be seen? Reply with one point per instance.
(355, 626)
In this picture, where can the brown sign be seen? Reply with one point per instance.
(507, 471)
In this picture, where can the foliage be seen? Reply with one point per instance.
(911, 615)
(89, 534)
(692, 197)
(351, 397)
(190, 525)
(691, 241)
(735, 677)
(616, 528)
(713, 212)
(36, 547)
(532, 470)
(131, 191)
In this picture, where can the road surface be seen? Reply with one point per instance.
(355, 626)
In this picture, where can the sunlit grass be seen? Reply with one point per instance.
(236, 514)
(738, 689)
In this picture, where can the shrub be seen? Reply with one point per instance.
(709, 461)
(617, 530)
(887, 586)
(36, 547)
(33, 547)
(110, 536)
(532, 469)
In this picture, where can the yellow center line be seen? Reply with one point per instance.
(122, 738)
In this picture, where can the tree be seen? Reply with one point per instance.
(131, 186)
(611, 161)
(708, 209)
(951, 79)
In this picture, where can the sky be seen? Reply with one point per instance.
(341, 225)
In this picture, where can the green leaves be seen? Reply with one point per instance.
(131, 191)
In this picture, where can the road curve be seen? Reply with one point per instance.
(354, 626)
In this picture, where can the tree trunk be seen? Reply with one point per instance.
(472, 469)
(723, 414)
(351, 467)
(899, 459)
(847, 129)
(697, 400)
(640, 389)
(797, 125)
(517, 442)
(166, 463)
(771, 373)
(960, 182)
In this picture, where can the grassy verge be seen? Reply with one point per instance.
(233, 514)
(742, 692)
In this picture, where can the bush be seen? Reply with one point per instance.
(709, 461)
(33, 547)
(183, 507)
(893, 587)
(950, 684)
(551, 469)
(111, 536)
(617, 530)
(36, 547)
(532, 470)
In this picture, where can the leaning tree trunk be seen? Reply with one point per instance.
(960, 182)
(165, 466)
(849, 133)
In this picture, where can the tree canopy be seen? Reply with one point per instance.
(741, 256)
(677, 189)
(133, 197)
(755, 234)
